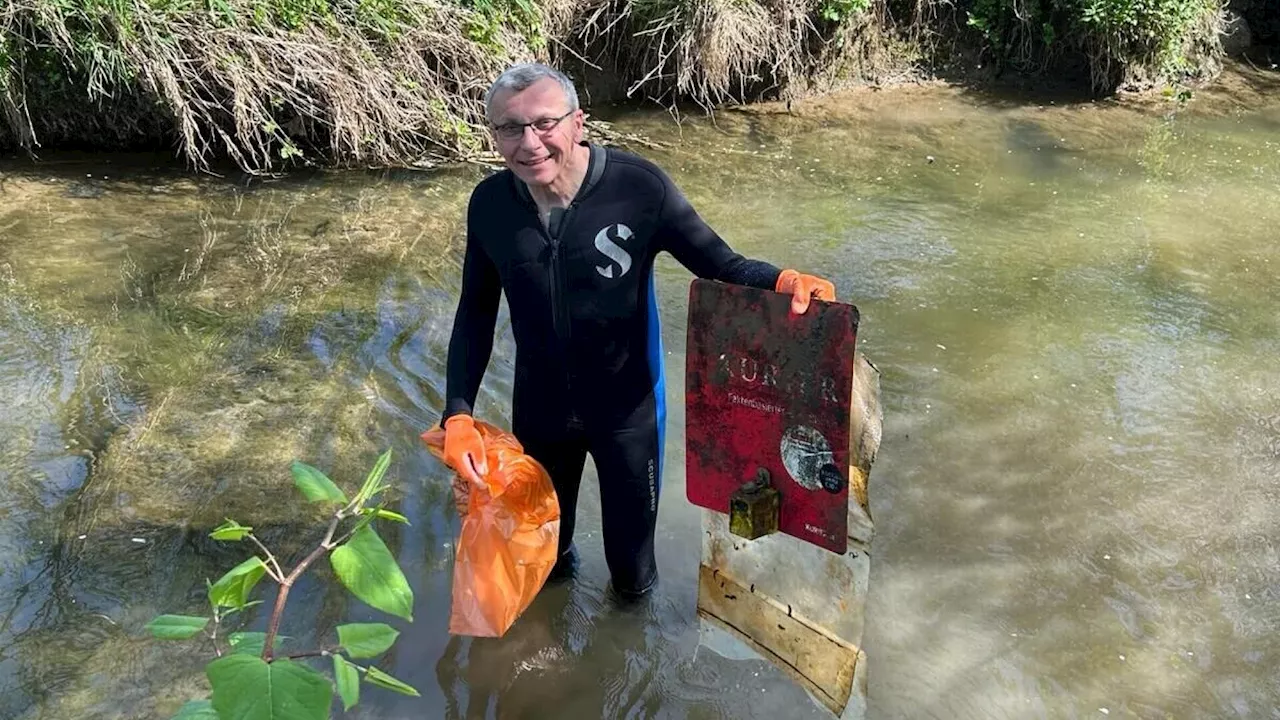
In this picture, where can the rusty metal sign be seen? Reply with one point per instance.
(766, 389)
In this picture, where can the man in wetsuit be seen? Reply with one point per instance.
(569, 231)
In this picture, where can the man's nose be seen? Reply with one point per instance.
(529, 139)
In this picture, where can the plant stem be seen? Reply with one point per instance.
(278, 574)
(213, 638)
(287, 582)
(346, 536)
(310, 653)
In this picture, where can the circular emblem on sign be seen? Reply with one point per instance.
(806, 455)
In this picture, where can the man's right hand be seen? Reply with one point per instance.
(802, 288)
(464, 448)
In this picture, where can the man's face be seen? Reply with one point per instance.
(536, 156)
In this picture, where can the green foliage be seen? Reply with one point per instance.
(249, 688)
(249, 680)
(492, 16)
(383, 17)
(366, 567)
(374, 676)
(251, 643)
(373, 481)
(315, 485)
(230, 530)
(1155, 28)
(1149, 33)
(292, 14)
(232, 589)
(366, 640)
(347, 678)
(386, 515)
(840, 10)
(177, 627)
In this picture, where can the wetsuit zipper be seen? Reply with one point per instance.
(559, 310)
(556, 292)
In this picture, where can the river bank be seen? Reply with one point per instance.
(274, 84)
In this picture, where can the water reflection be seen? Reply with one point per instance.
(1073, 308)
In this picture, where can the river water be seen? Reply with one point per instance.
(1073, 305)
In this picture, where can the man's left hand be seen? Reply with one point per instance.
(803, 288)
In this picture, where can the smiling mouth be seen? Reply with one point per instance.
(536, 162)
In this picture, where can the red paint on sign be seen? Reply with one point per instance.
(765, 388)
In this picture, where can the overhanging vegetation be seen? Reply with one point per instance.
(395, 82)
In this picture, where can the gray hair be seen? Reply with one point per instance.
(519, 77)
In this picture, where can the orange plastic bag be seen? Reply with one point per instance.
(510, 535)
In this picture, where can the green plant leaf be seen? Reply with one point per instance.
(232, 590)
(247, 688)
(196, 710)
(251, 643)
(374, 676)
(348, 677)
(365, 566)
(177, 627)
(242, 608)
(230, 530)
(315, 485)
(385, 515)
(366, 640)
(373, 483)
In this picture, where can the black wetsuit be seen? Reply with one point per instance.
(589, 372)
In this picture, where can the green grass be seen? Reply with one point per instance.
(1119, 38)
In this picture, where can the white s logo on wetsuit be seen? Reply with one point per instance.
(611, 250)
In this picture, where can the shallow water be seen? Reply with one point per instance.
(1073, 308)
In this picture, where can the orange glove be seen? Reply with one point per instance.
(802, 288)
(464, 448)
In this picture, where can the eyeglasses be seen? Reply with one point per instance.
(511, 131)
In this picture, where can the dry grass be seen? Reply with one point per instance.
(712, 51)
(262, 94)
(400, 82)
(403, 87)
